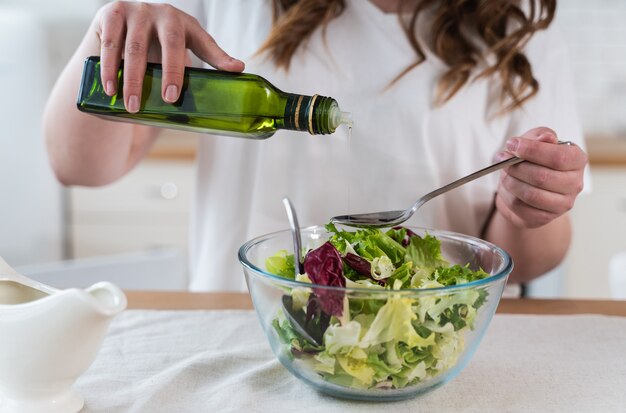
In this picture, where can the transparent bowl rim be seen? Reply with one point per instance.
(506, 270)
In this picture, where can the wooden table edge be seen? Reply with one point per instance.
(178, 300)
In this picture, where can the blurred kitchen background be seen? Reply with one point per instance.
(134, 232)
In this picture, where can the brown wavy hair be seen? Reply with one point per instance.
(465, 34)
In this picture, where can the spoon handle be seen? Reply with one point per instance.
(295, 231)
(507, 162)
(482, 172)
(10, 274)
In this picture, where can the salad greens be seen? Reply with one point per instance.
(385, 340)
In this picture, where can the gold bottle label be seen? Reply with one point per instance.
(299, 113)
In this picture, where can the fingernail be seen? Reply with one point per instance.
(546, 137)
(233, 60)
(110, 88)
(500, 156)
(133, 104)
(171, 93)
(512, 145)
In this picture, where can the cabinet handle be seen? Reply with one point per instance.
(168, 190)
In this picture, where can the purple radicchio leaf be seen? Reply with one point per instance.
(358, 264)
(323, 265)
(362, 266)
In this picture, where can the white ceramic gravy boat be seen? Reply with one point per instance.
(48, 338)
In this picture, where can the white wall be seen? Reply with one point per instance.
(596, 32)
(57, 8)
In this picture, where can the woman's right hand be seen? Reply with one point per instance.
(138, 32)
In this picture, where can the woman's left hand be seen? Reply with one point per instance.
(533, 193)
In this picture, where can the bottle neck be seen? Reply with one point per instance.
(309, 113)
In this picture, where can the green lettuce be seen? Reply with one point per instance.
(282, 264)
(392, 342)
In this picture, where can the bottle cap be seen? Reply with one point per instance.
(336, 117)
(346, 118)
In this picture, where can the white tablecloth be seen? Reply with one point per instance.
(220, 361)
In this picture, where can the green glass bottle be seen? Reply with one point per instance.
(213, 101)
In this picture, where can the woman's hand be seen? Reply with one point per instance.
(534, 193)
(88, 150)
(137, 32)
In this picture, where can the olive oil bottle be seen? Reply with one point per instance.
(213, 101)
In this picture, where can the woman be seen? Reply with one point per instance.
(437, 90)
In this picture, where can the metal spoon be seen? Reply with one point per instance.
(295, 231)
(297, 318)
(393, 218)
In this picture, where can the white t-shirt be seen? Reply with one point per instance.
(402, 146)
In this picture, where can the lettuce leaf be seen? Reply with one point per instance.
(282, 264)
(425, 253)
(394, 322)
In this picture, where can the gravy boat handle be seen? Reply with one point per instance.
(109, 298)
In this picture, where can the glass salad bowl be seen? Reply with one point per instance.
(361, 326)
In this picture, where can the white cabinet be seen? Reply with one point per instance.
(148, 208)
(599, 221)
